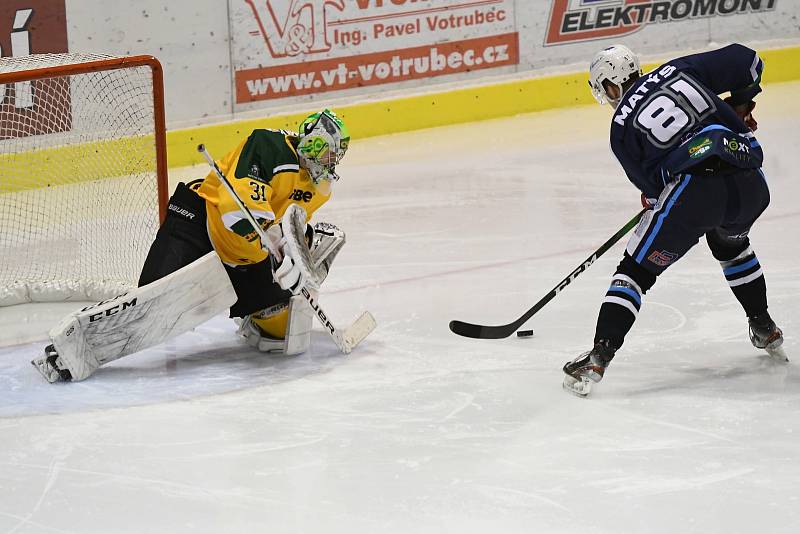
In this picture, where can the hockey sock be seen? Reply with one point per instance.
(622, 302)
(747, 282)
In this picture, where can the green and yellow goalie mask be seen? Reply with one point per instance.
(323, 140)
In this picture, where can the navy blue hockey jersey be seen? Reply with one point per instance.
(676, 105)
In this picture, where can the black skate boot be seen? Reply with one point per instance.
(588, 368)
(765, 334)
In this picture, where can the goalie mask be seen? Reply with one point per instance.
(615, 65)
(323, 142)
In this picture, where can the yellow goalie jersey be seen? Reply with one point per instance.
(265, 173)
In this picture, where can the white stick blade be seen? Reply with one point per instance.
(360, 329)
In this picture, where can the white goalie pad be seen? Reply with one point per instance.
(298, 327)
(138, 319)
(299, 322)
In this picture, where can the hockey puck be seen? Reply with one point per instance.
(525, 333)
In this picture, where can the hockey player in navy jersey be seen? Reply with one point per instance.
(696, 161)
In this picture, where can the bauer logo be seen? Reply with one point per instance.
(585, 20)
(32, 27)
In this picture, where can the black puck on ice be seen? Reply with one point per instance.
(525, 333)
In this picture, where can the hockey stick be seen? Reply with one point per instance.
(497, 332)
(356, 332)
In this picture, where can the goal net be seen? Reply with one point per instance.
(82, 174)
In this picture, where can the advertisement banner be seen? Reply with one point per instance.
(32, 27)
(581, 20)
(287, 48)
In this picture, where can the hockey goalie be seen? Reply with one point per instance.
(208, 257)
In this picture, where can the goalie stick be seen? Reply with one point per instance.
(346, 340)
(478, 331)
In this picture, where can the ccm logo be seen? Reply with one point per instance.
(299, 194)
(113, 310)
(574, 274)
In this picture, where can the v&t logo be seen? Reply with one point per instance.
(293, 27)
(586, 20)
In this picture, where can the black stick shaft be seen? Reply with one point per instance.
(497, 332)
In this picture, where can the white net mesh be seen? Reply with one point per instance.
(78, 185)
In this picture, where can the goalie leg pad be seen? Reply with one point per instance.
(298, 329)
(138, 319)
(257, 338)
(258, 329)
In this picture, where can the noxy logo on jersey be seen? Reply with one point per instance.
(585, 20)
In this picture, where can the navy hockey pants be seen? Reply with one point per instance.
(722, 206)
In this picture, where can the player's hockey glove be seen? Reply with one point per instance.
(285, 271)
(745, 112)
(289, 276)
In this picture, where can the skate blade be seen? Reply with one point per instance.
(46, 369)
(580, 388)
(777, 354)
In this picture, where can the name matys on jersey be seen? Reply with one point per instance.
(669, 105)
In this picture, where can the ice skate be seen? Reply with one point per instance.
(765, 334)
(257, 338)
(51, 366)
(587, 369)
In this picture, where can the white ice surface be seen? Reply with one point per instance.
(691, 431)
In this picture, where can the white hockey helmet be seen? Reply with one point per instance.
(615, 65)
(323, 141)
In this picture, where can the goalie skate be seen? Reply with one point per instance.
(51, 367)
